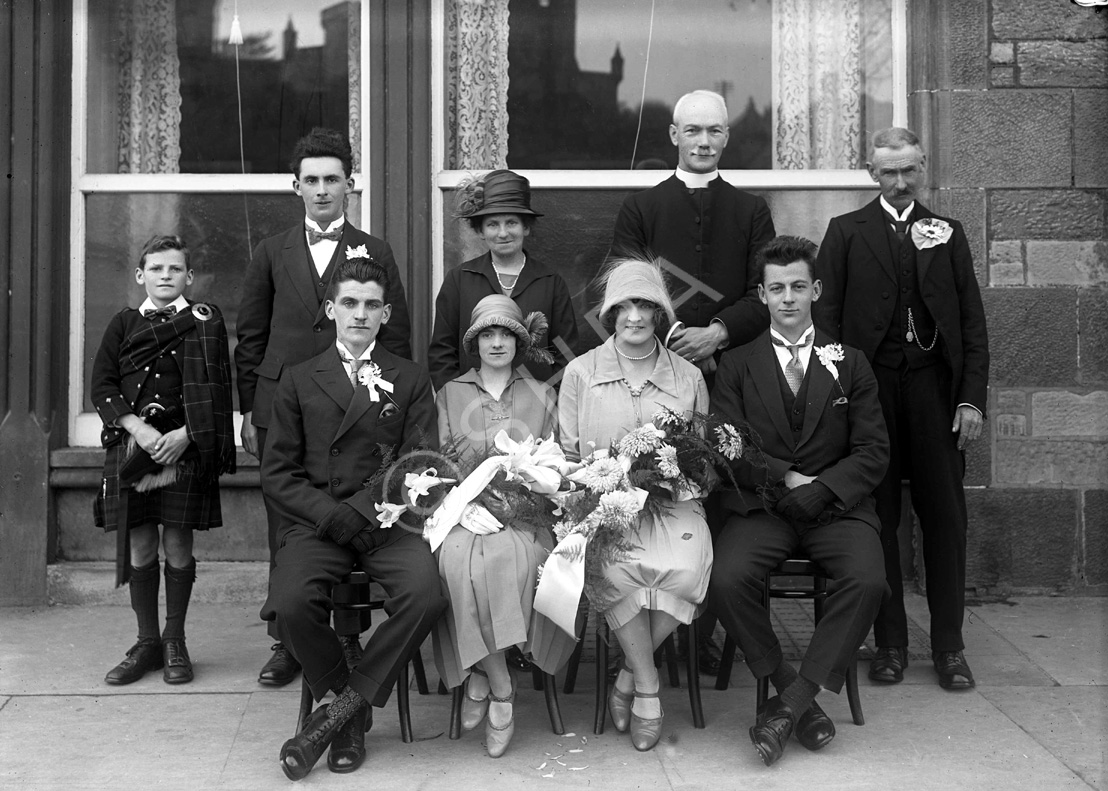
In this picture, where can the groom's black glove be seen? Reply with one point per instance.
(806, 502)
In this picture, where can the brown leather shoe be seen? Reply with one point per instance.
(281, 668)
(814, 729)
(178, 666)
(771, 732)
(953, 671)
(142, 657)
(888, 664)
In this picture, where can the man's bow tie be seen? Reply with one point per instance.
(314, 236)
(167, 311)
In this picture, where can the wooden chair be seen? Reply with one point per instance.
(352, 605)
(817, 592)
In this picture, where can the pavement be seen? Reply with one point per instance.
(1038, 718)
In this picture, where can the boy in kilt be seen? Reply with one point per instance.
(161, 383)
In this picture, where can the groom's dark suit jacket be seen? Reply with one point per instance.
(325, 438)
(281, 320)
(843, 441)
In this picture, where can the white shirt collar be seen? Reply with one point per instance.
(335, 226)
(346, 354)
(811, 329)
(696, 180)
(180, 303)
(903, 217)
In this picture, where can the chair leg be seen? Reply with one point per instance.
(763, 693)
(537, 678)
(723, 677)
(403, 704)
(456, 712)
(550, 690)
(671, 661)
(852, 692)
(571, 668)
(420, 673)
(601, 675)
(692, 669)
(305, 709)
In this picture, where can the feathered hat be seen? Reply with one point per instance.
(497, 310)
(497, 192)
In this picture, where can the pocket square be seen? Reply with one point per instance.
(388, 411)
(839, 401)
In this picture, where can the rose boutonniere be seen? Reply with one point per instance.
(929, 232)
(357, 252)
(829, 355)
(370, 376)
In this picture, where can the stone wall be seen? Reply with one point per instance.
(1017, 104)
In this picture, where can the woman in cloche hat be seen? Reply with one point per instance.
(489, 570)
(498, 208)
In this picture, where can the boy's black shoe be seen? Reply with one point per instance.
(143, 656)
(178, 666)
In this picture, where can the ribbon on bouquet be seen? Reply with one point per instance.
(538, 464)
(563, 574)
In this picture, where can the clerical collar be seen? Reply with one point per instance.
(903, 217)
(346, 354)
(802, 340)
(696, 180)
(335, 226)
(181, 304)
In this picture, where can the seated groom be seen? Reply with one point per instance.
(813, 408)
(331, 416)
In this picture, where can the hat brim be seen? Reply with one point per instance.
(486, 210)
(523, 338)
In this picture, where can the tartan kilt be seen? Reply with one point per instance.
(188, 502)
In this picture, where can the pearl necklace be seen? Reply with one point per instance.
(626, 356)
(503, 287)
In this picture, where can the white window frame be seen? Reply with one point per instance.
(445, 180)
(84, 427)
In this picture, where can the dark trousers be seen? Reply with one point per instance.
(299, 604)
(916, 405)
(271, 526)
(847, 549)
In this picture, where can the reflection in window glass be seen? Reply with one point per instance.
(214, 227)
(592, 83)
(164, 83)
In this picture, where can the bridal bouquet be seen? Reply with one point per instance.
(673, 458)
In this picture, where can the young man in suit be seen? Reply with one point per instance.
(331, 417)
(709, 232)
(282, 320)
(812, 407)
(899, 285)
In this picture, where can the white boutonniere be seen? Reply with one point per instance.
(930, 231)
(357, 252)
(370, 376)
(388, 514)
(829, 355)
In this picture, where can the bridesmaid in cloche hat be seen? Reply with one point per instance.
(498, 208)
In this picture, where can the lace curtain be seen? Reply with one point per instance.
(149, 88)
(477, 84)
(354, 80)
(818, 84)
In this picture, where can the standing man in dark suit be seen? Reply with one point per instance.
(282, 320)
(813, 408)
(709, 232)
(331, 416)
(899, 285)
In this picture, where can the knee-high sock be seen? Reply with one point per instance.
(178, 590)
(784, 675)
(144, 584)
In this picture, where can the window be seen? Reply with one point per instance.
(577, 95)
(590, 84)
(159, 91)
